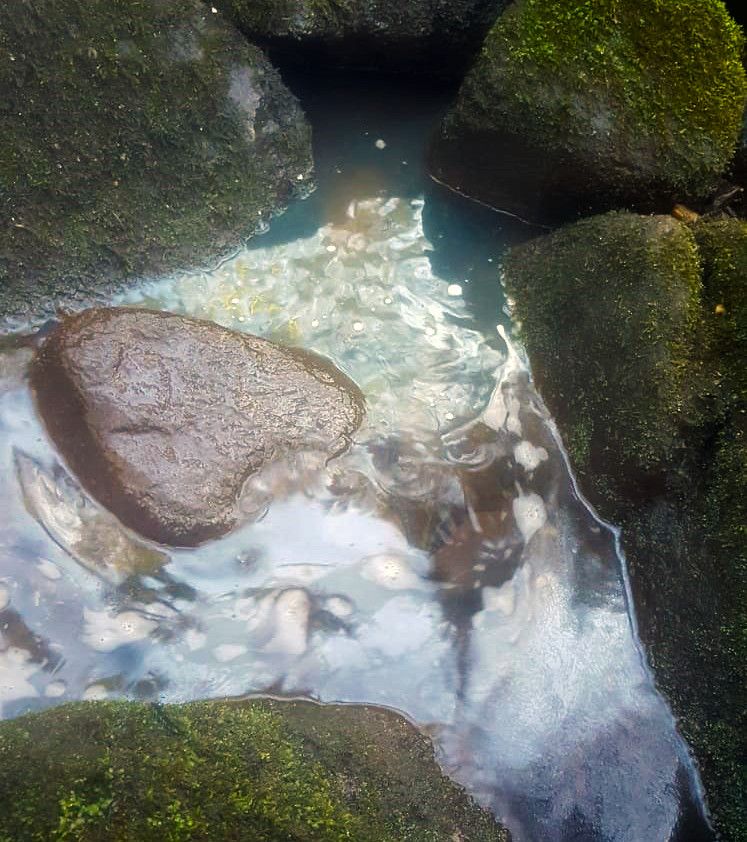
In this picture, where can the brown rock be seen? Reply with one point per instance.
(163, 418)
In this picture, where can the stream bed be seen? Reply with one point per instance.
(445, 566)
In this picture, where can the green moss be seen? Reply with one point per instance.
(126, 150)
(688, 564)
(723, 248)
(639, 101)
(623, 394)
(256, 770)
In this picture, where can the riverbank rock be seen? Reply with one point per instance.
(575, 108)
(163, 418)
(434, 37)
(219, 770)
(138, 138)
(636, 331)
(625, 395)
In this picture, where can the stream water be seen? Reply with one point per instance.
(446, 566)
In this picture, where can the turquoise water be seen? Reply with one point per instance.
(446, 566)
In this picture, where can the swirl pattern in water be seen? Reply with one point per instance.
(444, 566)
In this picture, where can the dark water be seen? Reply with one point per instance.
(446, 566)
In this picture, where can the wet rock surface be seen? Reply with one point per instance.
(558, 117)
(435, 37)
(243, 770)
(164, 418)
(138, 138)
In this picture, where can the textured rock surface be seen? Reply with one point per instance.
(575, 108)
(623, 395)
(256, 770)
(636, 331)
(163, 418)
(436, 37)
(138, 137)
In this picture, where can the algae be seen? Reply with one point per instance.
(228, 770)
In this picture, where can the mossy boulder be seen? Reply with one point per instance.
(436, 37)
(228, 770)
(138, 137)
(580, 106)
(636, 331)
(626, 396)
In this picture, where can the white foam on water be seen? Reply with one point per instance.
(530, 514)
(16, 668)
(529, 456)
(105, 630)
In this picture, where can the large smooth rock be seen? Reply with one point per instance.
(434, 37)
(576, 108)
(214, 771)
(636, 328)
(138, 137)
(164, 418)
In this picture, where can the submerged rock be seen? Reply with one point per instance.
(219, 770)
(163, 418)
(632, 323)
(88, 533)
(437, 37)
(138, 137)
(574, 108)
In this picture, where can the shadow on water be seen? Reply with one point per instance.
(350, 113)
(445, 566)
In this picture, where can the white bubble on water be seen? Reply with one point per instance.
(104, 631)
(529, 456)
(228, 652)
(55, 689)
(530, 514)
(339, 606)
(392, 572)
(16, 668)
(4, 596)
(95, 693)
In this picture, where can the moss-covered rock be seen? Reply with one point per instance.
(626, 395)
(578, 106)
(222, 770)
(632, 323)
(722, 245)
(138, 136)
(437, 37)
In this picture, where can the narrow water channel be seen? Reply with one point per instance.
(445, 566)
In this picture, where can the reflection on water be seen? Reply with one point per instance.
(444, 566)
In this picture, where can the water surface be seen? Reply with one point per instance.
(445, 566)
